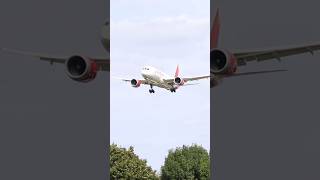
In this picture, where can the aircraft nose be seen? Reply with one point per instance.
(145, 71)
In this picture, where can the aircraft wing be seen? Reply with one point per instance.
(195, 78)
(171, 81)
(103, 63)
(256, 72)
(142, 81)
(244, 57)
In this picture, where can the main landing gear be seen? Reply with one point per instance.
(173, 90)
(151, 89)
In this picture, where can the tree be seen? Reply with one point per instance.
(188, 162)
(124, 164)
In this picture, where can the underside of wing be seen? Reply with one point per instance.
(102, 63)
(195, 78)
(134, 82)
(172, 81)
(244, 57)
(142, 81)
(45, 57)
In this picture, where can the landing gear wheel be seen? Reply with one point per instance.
(173, 90)
(151, 89)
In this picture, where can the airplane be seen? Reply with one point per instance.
(78, 67)
(155, 77)
(224, 64)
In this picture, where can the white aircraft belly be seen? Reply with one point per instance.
(157, 81)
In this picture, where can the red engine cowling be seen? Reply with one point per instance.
(222, 62)
(135, 83)
(81, 69)
(178, 81)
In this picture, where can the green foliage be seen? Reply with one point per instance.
(188, 162)
(124, 164)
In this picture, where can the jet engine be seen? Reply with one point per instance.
(178, 81)
(222, 62)
(135, 83)
(81, 69)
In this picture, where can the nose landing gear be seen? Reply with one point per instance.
(151, 89)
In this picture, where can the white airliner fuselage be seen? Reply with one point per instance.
(155, 77)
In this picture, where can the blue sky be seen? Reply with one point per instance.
(161, 34)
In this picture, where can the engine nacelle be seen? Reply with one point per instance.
(135, 83)
(178, 81)
(222, 62)
(81, 69)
